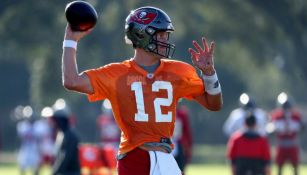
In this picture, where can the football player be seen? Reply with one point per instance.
(248, 151)
(182, 137)
(287, 123)
(144, 89)
(236, 118)
(109, 136)
(29, 156)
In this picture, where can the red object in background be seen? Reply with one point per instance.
(186, 138)
(90, 157)
(108, 155)
(242, 146)
(93, 159)
(109, 132)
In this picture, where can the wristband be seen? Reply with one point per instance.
(212, 84)
(70, 44)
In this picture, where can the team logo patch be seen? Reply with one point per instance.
(143, 17)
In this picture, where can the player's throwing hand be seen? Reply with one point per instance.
(75, 35)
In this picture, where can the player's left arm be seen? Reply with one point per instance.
(202, 58)
(211, 102)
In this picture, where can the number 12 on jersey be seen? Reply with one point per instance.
(158, 102)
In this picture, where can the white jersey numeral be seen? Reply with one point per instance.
(138, 91)
(158, 102)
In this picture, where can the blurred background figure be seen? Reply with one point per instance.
(248, 151)
(286, 122)
(46, 136)
(235, 120)
(66, 145)
(101, 159)
(61, 105)
(109, 136)
(29, 155)
(109, 133)
(91, 160)
(182, 137)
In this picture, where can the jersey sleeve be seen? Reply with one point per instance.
(192, 85)
(100, 79)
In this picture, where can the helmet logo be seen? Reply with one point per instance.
(143, 17)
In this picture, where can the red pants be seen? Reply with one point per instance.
(287, 154)
(135, 162)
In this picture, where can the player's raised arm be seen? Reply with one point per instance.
(202, 58)
(81, 17)
(72, 80)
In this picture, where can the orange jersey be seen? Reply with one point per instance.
(144, 104)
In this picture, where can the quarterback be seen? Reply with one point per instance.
(145, 89)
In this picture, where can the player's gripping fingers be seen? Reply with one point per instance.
(205, 44)
(197, 46)
(75, 35)
(194, 55)
(212, 47)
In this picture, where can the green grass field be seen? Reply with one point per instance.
(220, 169)
(194, 169)
(207, 160)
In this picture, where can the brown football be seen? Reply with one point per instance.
(80, 15)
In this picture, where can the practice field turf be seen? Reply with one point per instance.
(219, 169)
(196, 169)
(207, 160)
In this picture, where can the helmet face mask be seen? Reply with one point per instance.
(142, 26)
